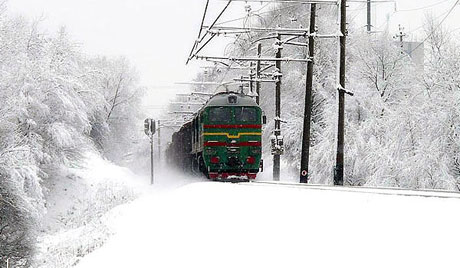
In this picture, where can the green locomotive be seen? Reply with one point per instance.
(224, 139)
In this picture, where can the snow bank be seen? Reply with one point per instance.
(245, 225)
(77, 205)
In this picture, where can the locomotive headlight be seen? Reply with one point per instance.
(210, 150)
(256, 150)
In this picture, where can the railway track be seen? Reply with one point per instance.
(362, 189)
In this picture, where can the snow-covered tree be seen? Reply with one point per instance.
(116, 123)
(53, 97)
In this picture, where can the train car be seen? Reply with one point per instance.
(178, 151)
(224, 139)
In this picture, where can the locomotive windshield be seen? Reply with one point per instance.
(233, 114)
(245, 114)
(220, 114)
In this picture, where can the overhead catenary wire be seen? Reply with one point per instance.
(239, 36)
(267, 25)
(218, 17)
(206, 33)
(276, 9)
(212, 36)
(245, 17)
(202, 20)
(421, 8)
(421, 26)
(201, 28)
(415, 29)
(437, 26)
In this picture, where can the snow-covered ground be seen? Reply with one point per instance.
(208, 224)
(77, 204)
(82, 204)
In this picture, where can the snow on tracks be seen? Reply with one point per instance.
(209, 224)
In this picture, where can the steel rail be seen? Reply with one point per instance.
(365, 189)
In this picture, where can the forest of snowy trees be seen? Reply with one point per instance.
(403, 122)
(57, 103)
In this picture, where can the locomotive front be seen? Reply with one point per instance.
(231, 137)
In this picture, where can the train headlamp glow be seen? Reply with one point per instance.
(210, 150)
(256, 150)
(232, 99)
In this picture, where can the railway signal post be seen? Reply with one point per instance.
(149, 129)
(159, 142)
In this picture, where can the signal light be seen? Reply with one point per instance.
(251, 160)
(215, 160)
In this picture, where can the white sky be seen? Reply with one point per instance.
(156, 35)
(409, 13)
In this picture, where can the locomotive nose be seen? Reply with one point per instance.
(233, 161)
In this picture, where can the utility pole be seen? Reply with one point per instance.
(277, 156)
(308, 101)
(369, 26)
(159, 142)
(338, 174)
(251, 76)
(259, 53)
(401, 36)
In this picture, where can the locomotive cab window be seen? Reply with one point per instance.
(220, 114)
(245, 114)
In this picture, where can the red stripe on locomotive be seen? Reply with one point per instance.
(232, 126)
(240, 144)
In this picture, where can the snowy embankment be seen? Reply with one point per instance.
(209, 224)
(82, 206)
(75, 222)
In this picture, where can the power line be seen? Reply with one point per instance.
(242, 18)
(201, 28)
(195, 52)
(421, 8)
(224, 76)
(433, 31)
(276, 9)
(418, 28)
(269, 25)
